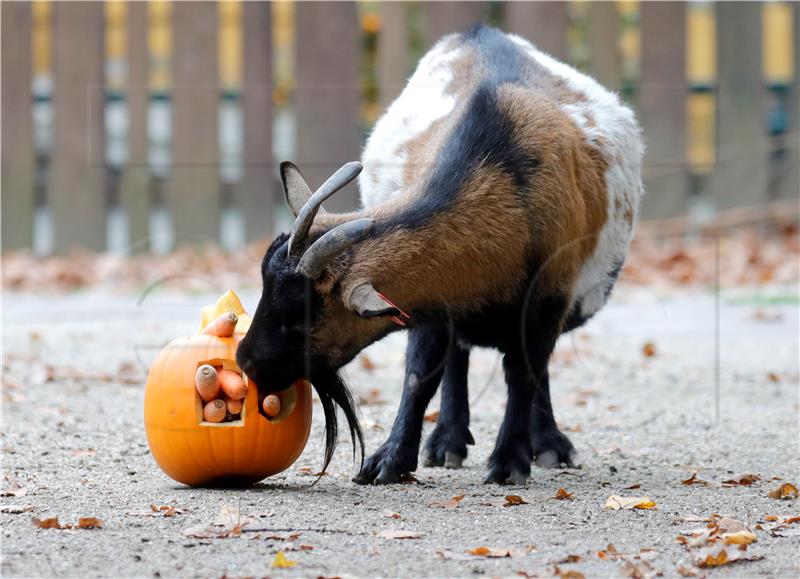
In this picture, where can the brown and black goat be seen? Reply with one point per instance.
(500, 192)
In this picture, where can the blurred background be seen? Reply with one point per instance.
(133, 127)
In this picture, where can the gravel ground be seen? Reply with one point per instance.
(73, 441)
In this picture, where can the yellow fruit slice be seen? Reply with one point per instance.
(228, 302)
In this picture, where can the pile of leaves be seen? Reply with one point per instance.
(747, 256)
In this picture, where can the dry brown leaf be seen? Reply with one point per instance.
(649, 349)
(719, 555)
(398, 534)
(514, 500)
(498, 553)
(567, 573)
(617, 503)
(432, 416)
(684, 571)
(637, 569)
(409, 479)
(563, 495)
(745, 480)
(633, 486)
(89, 523)
(452, 503)
(610, 552)
(14, 492)
(773, 377)
(693, 480)
(783, 492)
(51, 523)
(16, 509)
(390, 514)
(743, 537)
(570, 559)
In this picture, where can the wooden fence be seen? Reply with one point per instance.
(720, 117)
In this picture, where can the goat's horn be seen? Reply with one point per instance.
(295, 188)
(323, 250)
(364, 300)
(305, 218)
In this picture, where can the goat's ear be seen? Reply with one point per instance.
(295, 188)
(367, 303)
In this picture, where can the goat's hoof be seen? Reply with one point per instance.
(447, 446)
(553, 449)
(509, 466)
(500, 477)
(387, 465)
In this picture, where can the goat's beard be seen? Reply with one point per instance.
(333, 392)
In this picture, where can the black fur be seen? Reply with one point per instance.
(277, 350)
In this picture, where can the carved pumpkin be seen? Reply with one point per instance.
(239, 452)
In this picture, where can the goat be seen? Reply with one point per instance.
(501, 190)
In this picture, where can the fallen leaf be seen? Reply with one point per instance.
(785, 491)
(562, 495)
(745, 480)
(570, 559)
(452, 503)
(397, 534)
(16, 509)
(432, 416)
(228, 523)
(567, 574)
(743, 537)
(637, 569)
(51, 523)
(514, 500)
(14, 492)
(633, 486)
(390, 514)
(773, 377)
(610, 552)
(281, 562)
(409, 479)
(496, 553)
(649, 349)
(371, 398)
(89, 523)
(718, 556)
(693, 480)
(159, 511)
(684, 571)
(617, 503)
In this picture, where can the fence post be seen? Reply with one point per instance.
(77, 181)
(17, 126)
(543, 23)
(257, 191)
(662, 104)
(393, 51)
(194, 187)
(135, 186)
(792, 181)
(604, 24)
(740, 176)
(328, 93)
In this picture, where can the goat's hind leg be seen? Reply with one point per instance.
(425, 361)
(447, 444)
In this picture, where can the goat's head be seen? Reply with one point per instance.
(290, 336)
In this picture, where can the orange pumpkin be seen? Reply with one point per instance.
(240, 452)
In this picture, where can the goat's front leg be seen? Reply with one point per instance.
(551, 447)
(425, 360)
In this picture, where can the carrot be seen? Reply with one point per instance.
(205, 380)
(271, 405)
(234, 406)
(232, 384)
(214, 411)
(223, 326)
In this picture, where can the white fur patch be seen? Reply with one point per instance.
(422, 102)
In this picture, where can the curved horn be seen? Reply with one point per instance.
(295, 188)
(305, 218)
(323, 250)
(365, 301)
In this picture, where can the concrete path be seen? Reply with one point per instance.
(73, 446)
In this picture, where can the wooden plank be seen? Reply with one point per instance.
(440, 18)
(328, 93)
(740, 176)
(258, 189)
(77, 180)
(605, 61)
(17, 126)
(135, 186)
(393, 51)
(791, 182)
(543, 23)
(193, 190)
(662, 108)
